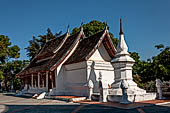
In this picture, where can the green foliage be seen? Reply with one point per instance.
(38, 42)
(94, 27)
(161, 63)
(1, 75)
(159, 46)
(150, 86)
(9, 73)
(136, 57)
(6, 50)
(8, 70)
(157, 67)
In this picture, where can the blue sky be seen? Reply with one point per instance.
(145, 22)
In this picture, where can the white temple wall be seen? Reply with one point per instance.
(99, 62)
(100, 55)
(96, 56)
(78, 75)
(76, 79)
(60, 78)
(61, 75)
(96, 68)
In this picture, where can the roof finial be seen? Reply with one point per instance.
(81, 28)
(68, 28)
(46, 40)
(82, 23)
(121, 28)
(106, 26)
(39, 45)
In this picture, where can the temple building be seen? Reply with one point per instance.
(84, 66)
(67, 63)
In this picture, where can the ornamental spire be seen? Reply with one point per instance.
(122, 47)
(106, 26)
(68, 29)
(81, 27)
(121, 28)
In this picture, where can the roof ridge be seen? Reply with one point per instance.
(78, 36)
(98, 43)
(83, 51)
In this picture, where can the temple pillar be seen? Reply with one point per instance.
(43, 83)
(38, 80)
(47, 80)
(35, 82)
(52, 80)
(55, 73)
(32, 80)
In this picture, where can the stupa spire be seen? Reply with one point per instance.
(122, 47)
(121, 27)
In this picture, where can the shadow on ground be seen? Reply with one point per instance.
(13, 95)
(80, 109)
(63, 109)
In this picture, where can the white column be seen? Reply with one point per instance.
(32, 80)
(35, 86)
(55, 72)
(38, 80)
(43, 83)
(52, 81)
(46, 80)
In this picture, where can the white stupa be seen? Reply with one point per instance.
(122, 64)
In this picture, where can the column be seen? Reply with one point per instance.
(52, 80)
(47, 80)
(32, 80)
(38, 80)
(55, 72)
(35, 85)
(43, 83)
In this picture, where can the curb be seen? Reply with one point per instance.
(70, 99)
(163, 103)
(133, 107)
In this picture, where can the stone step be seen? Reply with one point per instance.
(68, 98)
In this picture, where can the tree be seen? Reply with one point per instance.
(12, 68)
(7, 52)
(136, 57)
(161, 63)
(94, 27)
(157, 67)
(38, 42)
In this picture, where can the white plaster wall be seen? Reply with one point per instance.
(72, 79)
(96, 56)
(100, 55)
(77, 79)
(76, 76)
(96, 67)
(61, 75)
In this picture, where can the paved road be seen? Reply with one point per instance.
(12, 104)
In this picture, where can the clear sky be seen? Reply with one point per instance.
(145, 22)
